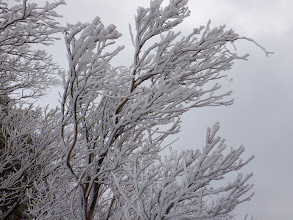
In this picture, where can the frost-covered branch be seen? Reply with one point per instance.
(181, 186)
(26, 72)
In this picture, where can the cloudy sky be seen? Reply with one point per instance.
(262, 117)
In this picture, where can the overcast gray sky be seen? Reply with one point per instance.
(261, 118)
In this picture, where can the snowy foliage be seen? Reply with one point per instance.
(26, 134)
(27, 148)
(100, 155)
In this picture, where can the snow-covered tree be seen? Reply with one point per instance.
(115, 120)
(26, 134)
(103, 154)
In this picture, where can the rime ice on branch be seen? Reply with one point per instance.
(114, 120)
(24, 71)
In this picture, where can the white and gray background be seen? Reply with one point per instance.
(262, 116)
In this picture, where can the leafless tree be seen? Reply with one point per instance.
(115, 120)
